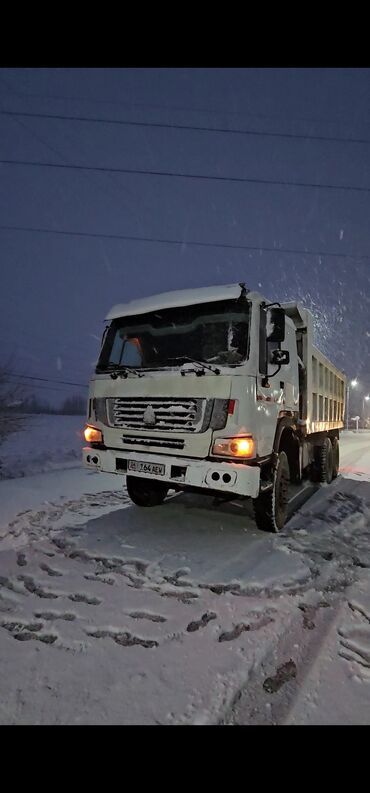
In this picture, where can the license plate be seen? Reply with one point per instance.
(146, 468)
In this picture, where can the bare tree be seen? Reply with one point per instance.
(11, 397)
(33, 404)
(74, 405)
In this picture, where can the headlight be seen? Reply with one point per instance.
(234, 447)
(92, 435)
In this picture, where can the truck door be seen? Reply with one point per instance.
(269, 397)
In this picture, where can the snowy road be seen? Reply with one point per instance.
(184, 613)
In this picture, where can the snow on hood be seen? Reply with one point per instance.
(183, 297)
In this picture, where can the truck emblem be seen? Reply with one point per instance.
(149, 416)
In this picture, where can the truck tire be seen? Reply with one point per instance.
(146, 492)
(335, 445)
(270, 508)
(325, 462)
(295, 466)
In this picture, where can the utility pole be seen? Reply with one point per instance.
(353, 384)
(365, 399)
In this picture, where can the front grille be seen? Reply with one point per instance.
(160, 414)
(159, 443)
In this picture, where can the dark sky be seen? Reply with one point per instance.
(56, 289)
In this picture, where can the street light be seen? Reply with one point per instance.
(365, 399)
(352, 384)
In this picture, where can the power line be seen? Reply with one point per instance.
(47, 380)
(191, 127)
(112, 180)
(36, 385)
(166, 241)
(195, 176)
(61, 157)
(180, 175)
(170, 108)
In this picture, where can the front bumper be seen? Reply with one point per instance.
(243, 480)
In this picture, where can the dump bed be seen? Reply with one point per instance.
(322, 385)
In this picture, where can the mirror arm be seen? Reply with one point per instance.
(265, 382)
(277, 371)
(269, 305)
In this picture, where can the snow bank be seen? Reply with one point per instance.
(183, 614)
(44, 443)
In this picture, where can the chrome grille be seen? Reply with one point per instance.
(160, 443)
(169, 414)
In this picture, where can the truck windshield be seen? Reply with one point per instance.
(209, 332)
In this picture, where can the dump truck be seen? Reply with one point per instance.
(216, 391)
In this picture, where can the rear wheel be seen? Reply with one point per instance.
(146, 492)
(335, 445)
(270, 508)
(325, 461)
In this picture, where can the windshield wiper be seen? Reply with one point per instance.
(203, 365)
(117, 370)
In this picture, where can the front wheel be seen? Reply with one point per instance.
(146, 492)
(270, 508)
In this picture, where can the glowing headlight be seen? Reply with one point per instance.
(92, 435)
(234, 447)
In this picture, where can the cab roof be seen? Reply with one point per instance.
(183, 297)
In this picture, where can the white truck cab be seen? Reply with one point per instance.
(214, 390)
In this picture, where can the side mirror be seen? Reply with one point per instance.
(275, 324)
(280, 357)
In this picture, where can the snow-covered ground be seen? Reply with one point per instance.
(44, 443)
(183, 613)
